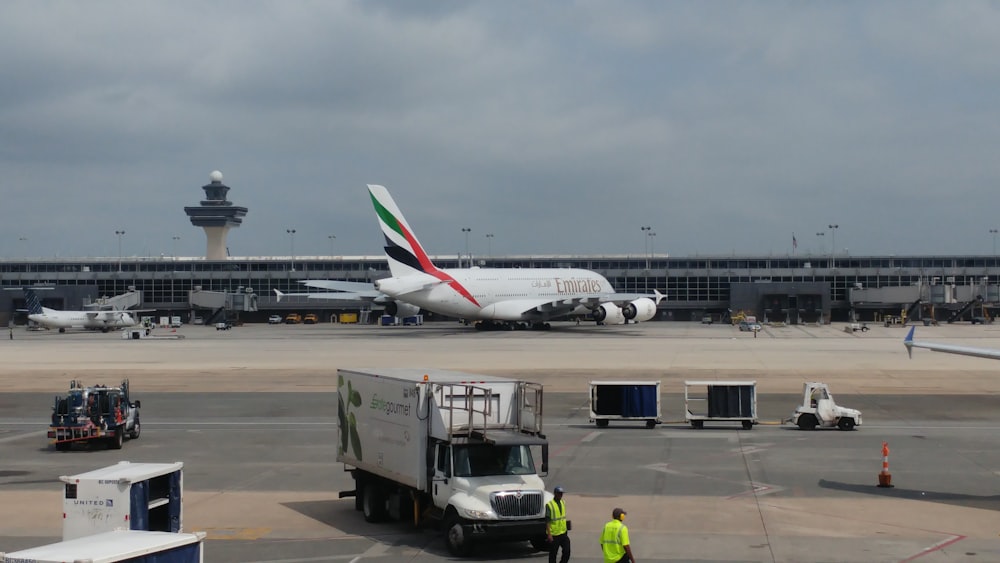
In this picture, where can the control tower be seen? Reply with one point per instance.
(216, 215)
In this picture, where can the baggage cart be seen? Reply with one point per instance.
(720, 401)
(625, 400)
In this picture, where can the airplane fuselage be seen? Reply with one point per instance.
(497, 294)
(93, 320)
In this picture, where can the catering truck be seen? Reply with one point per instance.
(451, 446)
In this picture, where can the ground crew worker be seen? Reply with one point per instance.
(557, 526)
(614, 539)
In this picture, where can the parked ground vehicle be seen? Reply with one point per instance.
(224, 325)
(293, 318)
(118, 546)
(749, 325)
(175, 322)
(453, 446)
(95, 413)
(857, 327)
(310, 319)
(819, 409)
(274, 320)
(624, 401)
(722, 401)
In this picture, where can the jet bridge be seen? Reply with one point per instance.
(223, 303)
(121, 302)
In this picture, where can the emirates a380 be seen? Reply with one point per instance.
(497, 298)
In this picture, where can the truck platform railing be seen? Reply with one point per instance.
(474, 411)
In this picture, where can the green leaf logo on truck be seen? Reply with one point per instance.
(347, 423)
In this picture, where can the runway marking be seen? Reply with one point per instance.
(23, 436)
(953, 538)
(756, 490)
(591, 436)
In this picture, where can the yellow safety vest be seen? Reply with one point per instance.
(557, 517)
(614, 538)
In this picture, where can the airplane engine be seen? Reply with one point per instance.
(640, 310)
(609, 313)
(400, 309)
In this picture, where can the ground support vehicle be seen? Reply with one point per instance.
(97, 413)
(446, 446)
(720, 401)
(819, 409)
(274, 320)
(118, 546)
(625, 400)
(134, 496)
(856, 327)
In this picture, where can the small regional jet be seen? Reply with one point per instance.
(496, 298)
(910, 344)
(103, 321)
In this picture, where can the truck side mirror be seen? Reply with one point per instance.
(545, 460)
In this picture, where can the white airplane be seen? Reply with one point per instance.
(910, 344)
(496, 298)
(103, 321)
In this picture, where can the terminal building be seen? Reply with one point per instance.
(787, 289)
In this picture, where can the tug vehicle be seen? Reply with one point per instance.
(94, 414)
(819, 409)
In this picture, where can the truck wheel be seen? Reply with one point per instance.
(602, 423)
(807, 422)
(118, 439)
(373, 503)
(748, 425)
(650, 424)
(458, 544)
(134, 434)
(846, 424)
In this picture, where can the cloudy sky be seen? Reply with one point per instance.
(558, 127)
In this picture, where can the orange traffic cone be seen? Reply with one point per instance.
(884, 477)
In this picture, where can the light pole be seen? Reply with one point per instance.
(489, 245)
(651, 240)
(331, 238)
(821, 245)
(24, 239)
(175, 239)
(291, 239)
(645, 239)
(120, 234)
(833, 245)
(468, 258)
(994, 233)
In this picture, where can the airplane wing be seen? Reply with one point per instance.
(360, 288)
(331, 295)
(988, 353)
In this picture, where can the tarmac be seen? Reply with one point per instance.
(250, 413)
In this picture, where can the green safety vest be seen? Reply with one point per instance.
(614, 538)
(557, 517)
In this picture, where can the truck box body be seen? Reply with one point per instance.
(117, 546)
(136, 496)
(393, 435)
(452, 445)
(625, 400)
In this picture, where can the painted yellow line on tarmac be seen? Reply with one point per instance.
(236, 533)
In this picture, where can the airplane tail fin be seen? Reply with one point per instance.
(32, 302)
(402, 248)
(659, 296)
(279, 294)
(908, 342)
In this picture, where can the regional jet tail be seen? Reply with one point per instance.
(910, 344)
(92, 320)
(496, 297)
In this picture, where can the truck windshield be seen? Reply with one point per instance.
(483, 459)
